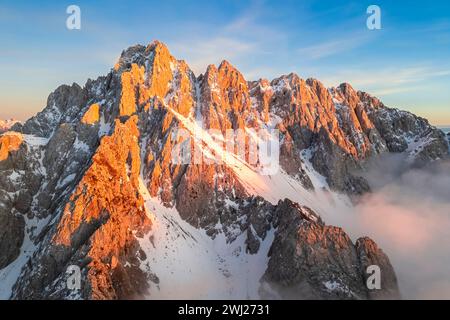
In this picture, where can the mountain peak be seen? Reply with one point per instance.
(225, 64)
(139, 54)
(346, 88)
(158, 46)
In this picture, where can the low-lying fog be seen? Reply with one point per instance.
(408, 215)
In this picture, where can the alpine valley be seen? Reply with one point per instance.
(90, 182)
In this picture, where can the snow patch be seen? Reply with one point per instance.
(35, 141)
(81, 146)
(191, 265)
(66, 180)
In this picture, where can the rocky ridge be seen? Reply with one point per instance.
(5, 125)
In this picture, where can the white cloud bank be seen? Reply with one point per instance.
(408, 215)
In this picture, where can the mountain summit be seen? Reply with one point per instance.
(91, 184)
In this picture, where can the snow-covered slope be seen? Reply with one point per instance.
(189, 264)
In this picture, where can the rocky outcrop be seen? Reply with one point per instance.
(369, 254)
(66, 100)
(405, 132)
(9, 143)
(309, 260)
(11, 225)
(19, 181)
(92, 115)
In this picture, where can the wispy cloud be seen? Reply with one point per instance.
(394, 90)
(201, 53)
(388, 80)
(333, 46)
(239, 40)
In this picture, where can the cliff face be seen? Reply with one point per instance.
(91, 180)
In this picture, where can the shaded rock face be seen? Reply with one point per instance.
(370, 254)
(65, 101)
(19, 180)
(71, 177)
(448, 139)
(309, 260)
(11, 238)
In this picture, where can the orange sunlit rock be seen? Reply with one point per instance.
(130, 79)
(9, 142)
(106, 195)
(161, 75)
(92, 115)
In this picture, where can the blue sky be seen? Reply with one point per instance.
(406, 63)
